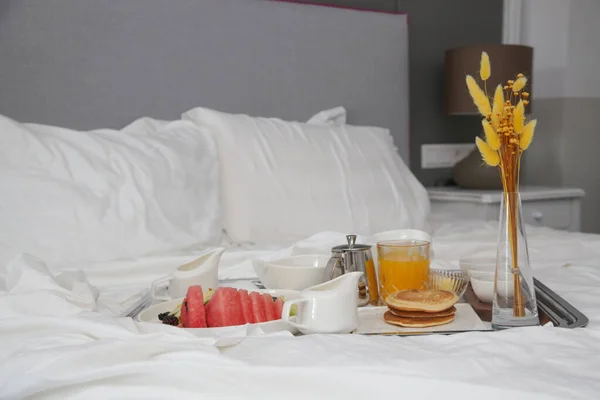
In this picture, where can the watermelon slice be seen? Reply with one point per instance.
(246, 306)
(278, 307)
(258, 307)
(183, 314)
(269, 305)
(224, 308)
(193, 314)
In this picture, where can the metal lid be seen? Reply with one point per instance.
(351, 246)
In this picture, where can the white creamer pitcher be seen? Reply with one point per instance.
(203, 271)
(330, 307)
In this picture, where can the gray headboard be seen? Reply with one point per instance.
(87, 64)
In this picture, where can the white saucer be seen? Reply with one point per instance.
(150, 315)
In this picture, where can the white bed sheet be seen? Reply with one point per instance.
(59, 337)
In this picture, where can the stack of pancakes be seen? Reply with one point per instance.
(420, 308)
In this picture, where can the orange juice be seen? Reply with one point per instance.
(372, 281)
(402, 265)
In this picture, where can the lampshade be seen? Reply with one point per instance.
(506, 60)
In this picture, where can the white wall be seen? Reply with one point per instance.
(545, 27)
(583, 68)
(565, 35)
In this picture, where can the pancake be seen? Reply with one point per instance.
(421, 314)
(392, 319)
(427, 300)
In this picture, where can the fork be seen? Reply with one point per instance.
(138, 307)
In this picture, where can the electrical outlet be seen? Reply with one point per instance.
(444, 155)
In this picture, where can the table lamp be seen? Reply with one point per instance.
(506, 61)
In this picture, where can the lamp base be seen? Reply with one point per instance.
(472, 173)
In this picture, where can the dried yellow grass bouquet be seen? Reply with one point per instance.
(507, 133)
(507, 136)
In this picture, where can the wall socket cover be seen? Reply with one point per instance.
(444, 155)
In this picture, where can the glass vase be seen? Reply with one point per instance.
(514, 294)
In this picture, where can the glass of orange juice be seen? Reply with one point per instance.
(403, 264)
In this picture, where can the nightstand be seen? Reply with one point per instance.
(558, 208)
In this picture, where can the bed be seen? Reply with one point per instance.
(116, 170)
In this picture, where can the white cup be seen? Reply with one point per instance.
(331, 307)
(202, 271)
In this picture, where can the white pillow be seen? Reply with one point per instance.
(77, 197)
(283, 181)
(335, 116)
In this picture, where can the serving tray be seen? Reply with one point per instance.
(551, 308)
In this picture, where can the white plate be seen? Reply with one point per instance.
(150, 314)
(370, 322)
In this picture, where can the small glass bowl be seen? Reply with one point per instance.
(452, 280)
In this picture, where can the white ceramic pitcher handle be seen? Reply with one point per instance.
(287, 307)
(156, 284)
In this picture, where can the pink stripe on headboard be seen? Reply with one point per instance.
(310, 3)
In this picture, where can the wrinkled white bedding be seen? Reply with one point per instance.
(59, 337)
